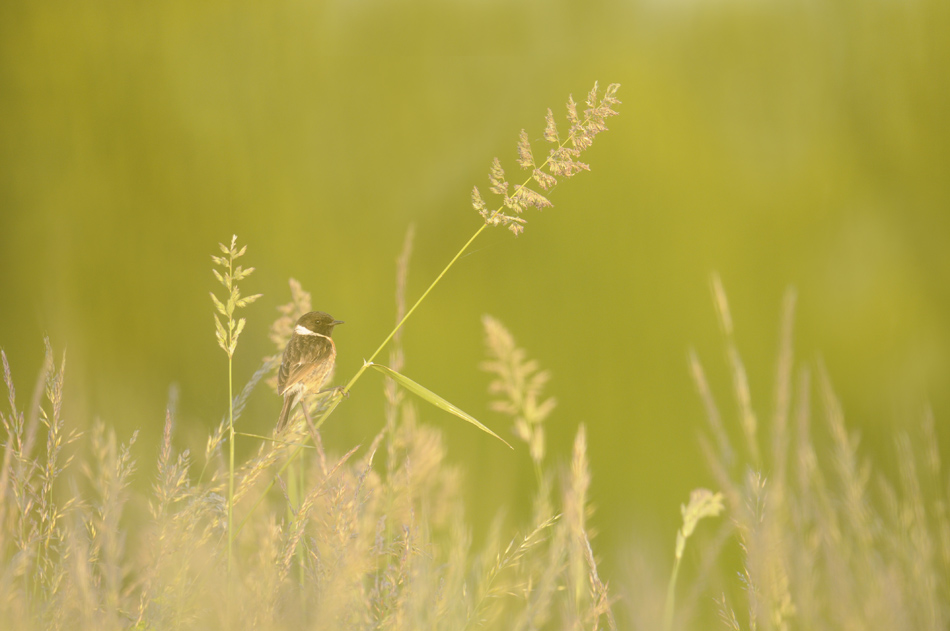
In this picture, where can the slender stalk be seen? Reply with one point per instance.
(230, 465)
(346, 388)
(227, 340)
(670, 597)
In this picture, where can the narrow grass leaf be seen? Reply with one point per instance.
(433, 398)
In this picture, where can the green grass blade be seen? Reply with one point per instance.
(427, 395)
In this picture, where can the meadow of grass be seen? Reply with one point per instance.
(302, 535)
(377, 536)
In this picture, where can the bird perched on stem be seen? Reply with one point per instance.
(307, 361)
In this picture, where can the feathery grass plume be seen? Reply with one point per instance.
(561, 161)
(853, 474)
(918, 554)
(176, 540)
(758, 505)
(18, 528)
(302, 515)
(702, 503)
(518, 383)
(749, 423)
(81, 603)
(541, 593)
(171, 483)
(269, 453)
(418, 532)
(727, 615)
(51, 535)
(491, 588)
(575, 513)
(16, 472)
(591, 600)
(32, 544)
(13, 445)
(229, 276)
(393, 543)
(109, 477)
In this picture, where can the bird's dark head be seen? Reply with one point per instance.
(316, 322)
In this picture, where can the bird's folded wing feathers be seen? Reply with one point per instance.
(291, 375)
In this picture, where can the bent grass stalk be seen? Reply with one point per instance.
(559, 163)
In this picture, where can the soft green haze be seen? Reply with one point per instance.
(802, 143)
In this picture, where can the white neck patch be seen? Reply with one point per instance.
(302, 330)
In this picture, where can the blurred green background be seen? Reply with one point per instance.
(786, 142)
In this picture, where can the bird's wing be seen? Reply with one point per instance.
(291, 373)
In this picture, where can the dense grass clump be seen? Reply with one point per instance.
(376, 539)
(825, 540)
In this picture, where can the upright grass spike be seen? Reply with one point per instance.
(518, 383)
(229, 276)
(702, 503)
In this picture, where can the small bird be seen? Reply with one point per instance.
(308, 359)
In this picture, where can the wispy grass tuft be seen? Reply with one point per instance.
(518, 384)
(826, 542)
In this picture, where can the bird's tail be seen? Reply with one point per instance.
(285, 411)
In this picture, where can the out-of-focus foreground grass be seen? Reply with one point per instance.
(378, 537)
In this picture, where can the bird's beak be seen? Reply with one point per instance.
(336, 322)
